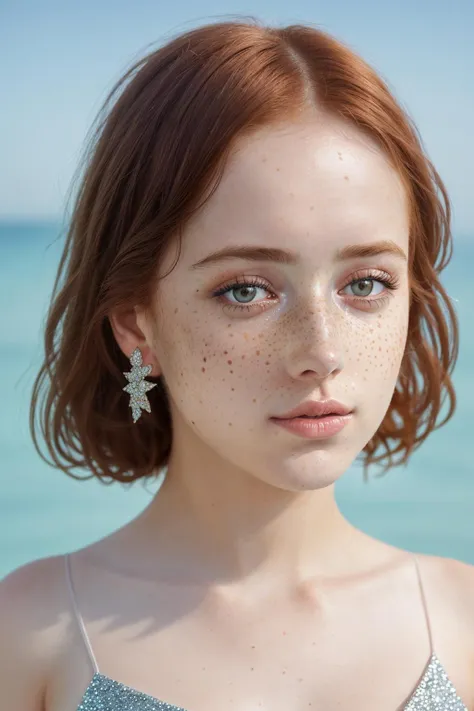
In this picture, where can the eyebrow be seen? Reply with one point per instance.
(284, 256)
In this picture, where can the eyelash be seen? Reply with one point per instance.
(390, 282)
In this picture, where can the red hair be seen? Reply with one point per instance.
(158, 152)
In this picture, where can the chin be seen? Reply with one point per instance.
(310, 470)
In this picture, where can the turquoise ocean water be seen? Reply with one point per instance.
(427, 506)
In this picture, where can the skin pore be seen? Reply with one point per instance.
(245, 501)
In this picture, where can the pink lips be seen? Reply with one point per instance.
(316, 419)
(316, 408)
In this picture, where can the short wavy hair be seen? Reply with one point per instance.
(156, 154)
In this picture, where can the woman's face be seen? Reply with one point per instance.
(243, 339)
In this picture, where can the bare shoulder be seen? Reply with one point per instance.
(32, 622)
(454, 577)
(449, 585)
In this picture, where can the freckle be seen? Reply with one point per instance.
(229, 362)
(243, 357)
(233, 389)
(230, 424)
(225, 352)
(231, 371)
(203, 369)
(312, 207)
(267, 362)
(258, 352)
(254, 400)
(346, 177)
(176, 310)
(192, 422)
(204, 360)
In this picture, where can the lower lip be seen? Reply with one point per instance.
(315, 427)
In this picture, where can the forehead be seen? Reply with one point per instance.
(320, 179)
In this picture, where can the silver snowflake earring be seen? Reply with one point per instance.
(137, 386)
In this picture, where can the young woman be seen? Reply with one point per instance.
(250, 298)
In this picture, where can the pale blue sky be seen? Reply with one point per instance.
(60, 58)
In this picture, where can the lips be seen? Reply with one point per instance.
(316, 408)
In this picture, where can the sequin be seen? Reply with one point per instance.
(105, 694)
(435, 692)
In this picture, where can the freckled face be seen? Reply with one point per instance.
(239, 341)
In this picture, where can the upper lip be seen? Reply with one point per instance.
(317, 408)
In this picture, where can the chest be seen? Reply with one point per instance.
(282, 657)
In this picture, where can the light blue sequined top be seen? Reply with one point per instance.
(434, 692)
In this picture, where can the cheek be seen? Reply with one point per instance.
(384, 345)
(199, 356)
(215, 374)
(374, 363)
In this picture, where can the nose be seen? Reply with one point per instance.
(315, 350)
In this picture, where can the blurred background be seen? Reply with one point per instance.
(59, 60)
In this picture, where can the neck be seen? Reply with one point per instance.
(227, 526)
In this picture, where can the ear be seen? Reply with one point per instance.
(131, 329)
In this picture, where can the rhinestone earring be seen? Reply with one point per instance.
(137, 386)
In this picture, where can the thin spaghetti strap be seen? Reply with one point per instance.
(425, 606)
(78, 616)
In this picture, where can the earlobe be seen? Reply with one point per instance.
(130, 333)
